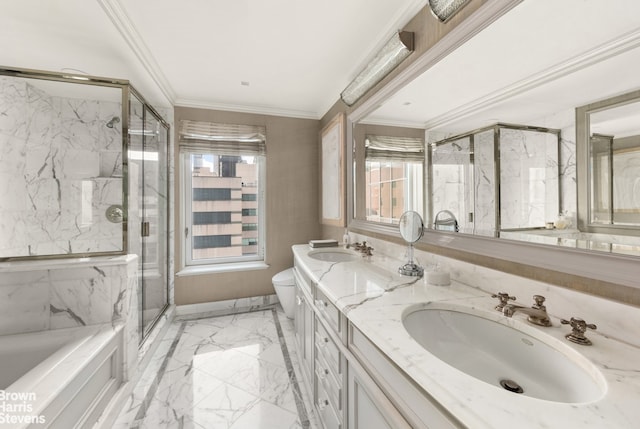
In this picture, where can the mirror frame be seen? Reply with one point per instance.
(601, 274)
(583, 174)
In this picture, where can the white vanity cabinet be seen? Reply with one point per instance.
(368, 407)
(417, 407)
(303, 323)
(343, 392)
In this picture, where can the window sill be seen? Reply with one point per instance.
(222, 268)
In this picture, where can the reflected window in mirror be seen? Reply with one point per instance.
(615, 166)
(394, 172)
(608, 153)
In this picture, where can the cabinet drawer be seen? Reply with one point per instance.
(328, 415)
(330, 311)
(330, 384)
(326, 363)
(327, 348)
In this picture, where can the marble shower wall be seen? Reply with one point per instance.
(528, 178)
(452, 178)
(60, 169)
(484, 219)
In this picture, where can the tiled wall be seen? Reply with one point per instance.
(43, 295)
(60, 169)
(528, 178)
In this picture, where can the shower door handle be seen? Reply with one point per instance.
(146, 228)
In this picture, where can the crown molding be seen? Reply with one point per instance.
(117, 14)
(391, 123)
(257, 110)
(588, 58)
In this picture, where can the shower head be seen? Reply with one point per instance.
(113, 121)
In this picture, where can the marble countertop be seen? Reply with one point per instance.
(373, 297)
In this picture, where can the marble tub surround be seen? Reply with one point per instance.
(373, 298)
(64, 294)
(57, 294)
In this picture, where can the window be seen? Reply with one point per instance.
(211, 194)
(211, 241)
(393, 177)
(209, 218)
(223, 183)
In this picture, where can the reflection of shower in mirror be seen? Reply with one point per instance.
(112, 121)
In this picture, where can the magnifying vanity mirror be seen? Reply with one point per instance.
(445, 221)
(411, 230)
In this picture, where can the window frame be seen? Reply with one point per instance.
(413, 200)
(186, 203)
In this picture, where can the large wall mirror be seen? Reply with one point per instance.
(498, 115)
(61, 166)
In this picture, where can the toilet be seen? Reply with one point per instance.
(284, 283)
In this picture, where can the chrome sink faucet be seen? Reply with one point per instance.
(537, 313)
(363, 248)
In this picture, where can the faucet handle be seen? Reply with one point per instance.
(504, 298)
(539, 302)
(579, 327)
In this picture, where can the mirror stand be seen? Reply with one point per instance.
(411, 268)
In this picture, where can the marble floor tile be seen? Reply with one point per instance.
(231, 372)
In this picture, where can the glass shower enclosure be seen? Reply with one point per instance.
(84, 171)
(504, 177)
(148, 138)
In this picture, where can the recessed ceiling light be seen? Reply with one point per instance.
(244, 83)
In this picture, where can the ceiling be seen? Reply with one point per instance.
(541, 58)
(283, 57)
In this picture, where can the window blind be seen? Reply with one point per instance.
(227, 139)
(386, 148)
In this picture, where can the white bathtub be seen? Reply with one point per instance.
(61, 378)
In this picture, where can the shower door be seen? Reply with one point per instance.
(148, 209)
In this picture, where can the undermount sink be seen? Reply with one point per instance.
(333, 255)
(503, 356)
